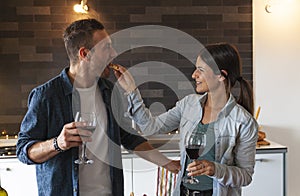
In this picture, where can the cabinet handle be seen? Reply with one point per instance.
(6, 169)
(261, 160)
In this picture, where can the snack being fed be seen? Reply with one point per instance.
(113, 66)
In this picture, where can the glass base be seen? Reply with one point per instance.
(190, 180)
(84, 161)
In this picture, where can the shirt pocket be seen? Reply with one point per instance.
(227, 145)
(186, 125)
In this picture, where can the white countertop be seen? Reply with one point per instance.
(172, 145)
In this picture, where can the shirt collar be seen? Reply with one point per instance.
(66, 82)
(226, 109)
(68, 86)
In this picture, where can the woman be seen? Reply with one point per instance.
(228, 163)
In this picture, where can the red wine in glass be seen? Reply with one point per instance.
(194, 151)
(195, 143)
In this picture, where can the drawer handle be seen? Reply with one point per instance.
(5, 169)
(260, 160)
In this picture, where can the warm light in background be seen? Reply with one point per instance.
(82, 7)
(278, 6)
(269, 8)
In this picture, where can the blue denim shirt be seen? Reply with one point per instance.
(235, 137)
(49, 109)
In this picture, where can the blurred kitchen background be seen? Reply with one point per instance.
(32, 52)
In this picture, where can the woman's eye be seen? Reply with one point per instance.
(200, 69)
(108, 46)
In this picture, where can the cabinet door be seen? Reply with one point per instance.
(268, 176)
(144, 177)
(18, 178)
(128, 176)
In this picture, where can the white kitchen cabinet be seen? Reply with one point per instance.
(18, 178)
(268, 176)
(270, 171)
(145, 175)
(128, 174)
(140, 176)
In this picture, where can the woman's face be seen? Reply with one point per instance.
(206, 80)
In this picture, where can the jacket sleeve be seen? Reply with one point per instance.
(129, 137)
(240, 172)
(149, 124)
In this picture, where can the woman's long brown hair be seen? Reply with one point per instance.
(224, 59)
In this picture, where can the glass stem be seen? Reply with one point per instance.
(83, 154)
(192, 160)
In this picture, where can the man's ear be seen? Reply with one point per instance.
(82, 52)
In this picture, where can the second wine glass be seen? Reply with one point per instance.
(195, 143)
(89, 118)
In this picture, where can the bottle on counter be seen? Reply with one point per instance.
(2, 190)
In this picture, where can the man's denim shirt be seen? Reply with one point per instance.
(49, 109)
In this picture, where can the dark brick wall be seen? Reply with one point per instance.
(32, 50)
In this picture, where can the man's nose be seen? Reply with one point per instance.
(113, 53)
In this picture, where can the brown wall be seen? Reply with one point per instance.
(32, 51)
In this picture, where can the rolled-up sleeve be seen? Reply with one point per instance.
(32, 126)
(131, 141)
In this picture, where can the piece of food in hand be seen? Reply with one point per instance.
(114, 66)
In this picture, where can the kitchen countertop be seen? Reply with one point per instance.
(167, 144)
(273, 148)
(172, 147)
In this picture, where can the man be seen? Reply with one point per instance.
(50, 138)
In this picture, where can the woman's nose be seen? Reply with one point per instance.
(194, 74)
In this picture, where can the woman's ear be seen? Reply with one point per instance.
(223, 75)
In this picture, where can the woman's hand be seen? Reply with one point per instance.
(203, 167)
(125, 79)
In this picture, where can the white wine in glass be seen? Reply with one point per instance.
(90, 124)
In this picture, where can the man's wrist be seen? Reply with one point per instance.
(56, 147)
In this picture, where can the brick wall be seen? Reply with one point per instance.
(32, 50)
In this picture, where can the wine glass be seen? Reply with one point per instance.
(89, 118)
(195, 143)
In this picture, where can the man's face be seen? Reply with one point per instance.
(101, 54)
